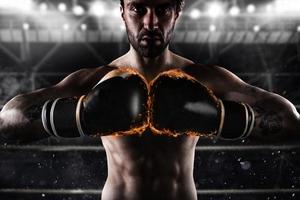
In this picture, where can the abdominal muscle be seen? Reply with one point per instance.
(149, 167)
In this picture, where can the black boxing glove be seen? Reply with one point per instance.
(116, 105)
(181, 104)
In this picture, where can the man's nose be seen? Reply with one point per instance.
(150, 20)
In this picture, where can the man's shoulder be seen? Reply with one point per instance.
(180, 62)
(75, 84)
(218, 79)
(208, 70)
(84, 78)
(203, 68)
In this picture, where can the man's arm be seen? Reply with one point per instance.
(276, 117)
(20, 118)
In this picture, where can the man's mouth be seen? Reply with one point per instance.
(150, 41)
(155, 40)
(151, 37)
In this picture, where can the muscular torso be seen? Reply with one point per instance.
(150, 166)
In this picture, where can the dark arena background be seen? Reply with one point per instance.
(42, 41)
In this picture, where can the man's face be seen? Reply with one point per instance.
(149, 25)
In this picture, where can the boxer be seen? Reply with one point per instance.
(149, 165)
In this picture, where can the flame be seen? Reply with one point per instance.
(177, 74)
(139, 129)
(133, 71)
(135, 130)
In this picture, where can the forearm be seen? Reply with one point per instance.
(22, 125)
(276, 119)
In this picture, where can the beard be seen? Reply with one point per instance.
(149, 44)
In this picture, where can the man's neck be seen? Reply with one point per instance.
(149, 67)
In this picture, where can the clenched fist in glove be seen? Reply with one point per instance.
(181, 104)
(116, 105)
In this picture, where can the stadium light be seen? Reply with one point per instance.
(251, 8)
(98, 9)
(212, 28)
(215, 9)
(116, 12)
(195, 13)
(26, 26)
(66, 27)
(17, 5)
(234, 11)
(43, 7)
(62, 7)
(269, 8)
(287, 6)
(83, 27)
(256, 28)
(298, 28)
(78, 10)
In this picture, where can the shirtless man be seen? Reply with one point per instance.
(150, 166)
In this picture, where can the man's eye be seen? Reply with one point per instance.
(165, 10)
(138, 9)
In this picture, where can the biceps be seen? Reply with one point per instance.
(263, 99)
(246, 93)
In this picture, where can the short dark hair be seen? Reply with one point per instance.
(179, 4)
